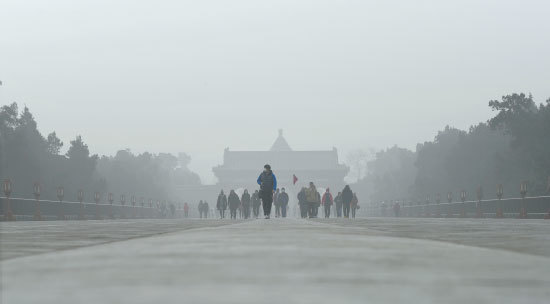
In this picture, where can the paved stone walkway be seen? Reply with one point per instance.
(272, 261)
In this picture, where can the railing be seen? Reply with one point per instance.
(26, 209)
(528, 207)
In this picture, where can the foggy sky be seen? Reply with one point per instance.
(199, 76)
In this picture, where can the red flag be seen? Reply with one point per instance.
(294, 179)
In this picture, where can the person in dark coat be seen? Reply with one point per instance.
(338, 204)
(327, 202)
(221, 205)
(256, 203)
(354, 205)
(234, 202)
(347, 197)
(245, 201)
(276, 203)
(268, 184)
(205, 209)
(313, 199)
(283, 202)
(302, 202)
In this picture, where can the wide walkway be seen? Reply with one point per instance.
(266, 261)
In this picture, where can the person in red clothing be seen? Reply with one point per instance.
(186, 210)
(327, 202)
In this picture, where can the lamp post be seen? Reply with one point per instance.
(463, 195)
(80, 199)
(523, 192)
(8, 216)
(111, 200)
(479, 195)
(123, 202)
(500, 192)
(60, 195)
(97, 198)
(36, 192)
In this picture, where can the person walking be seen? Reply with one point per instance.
(283, 202)
(347, 196)
(201, 208)
(256, 203)
(186, 210)
(354, 205)
(317, 205)
(396, 208)
(205, 209)
(338, 204)
(302, 202)
(245, 201)
(268, 184)
(276, 203)
(234, 202)
(221, 205)
(327, 202)
(312, 197)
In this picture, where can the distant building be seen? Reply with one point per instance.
(241, 168)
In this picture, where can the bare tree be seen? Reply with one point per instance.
(357, 160)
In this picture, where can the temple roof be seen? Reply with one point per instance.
(280, 143)
(280, 157)
(308, 160)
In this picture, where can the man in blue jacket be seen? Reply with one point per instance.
(268, 184)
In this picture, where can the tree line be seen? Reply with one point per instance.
(26, 157)
(510, 147)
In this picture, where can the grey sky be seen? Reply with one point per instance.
(199, 76)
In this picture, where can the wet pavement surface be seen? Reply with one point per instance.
(278, 261)
(525, 236)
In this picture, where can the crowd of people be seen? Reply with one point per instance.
(310, 200)
(247, 205)
(344, 204)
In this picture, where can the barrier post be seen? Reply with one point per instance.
(547, 216)
(523, 192)
(463, 198)
(449, 200)
(133, 200)
(8, 214)
(36, 191)
(142, 203)
(123, 202)
(80, 199)
(111, 213)
(438, 207)
(427, 208)
(479, 214)
(97, 198)
(500, 192)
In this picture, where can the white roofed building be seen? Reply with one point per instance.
(241, 168)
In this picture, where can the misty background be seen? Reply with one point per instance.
(197, 77)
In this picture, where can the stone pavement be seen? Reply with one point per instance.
(276, 261)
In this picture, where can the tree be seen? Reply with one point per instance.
(54, 143)
(357, 159)
(529, 128)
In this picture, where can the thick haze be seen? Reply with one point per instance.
(199, 76)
